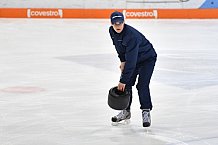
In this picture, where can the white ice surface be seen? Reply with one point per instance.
(73, 63)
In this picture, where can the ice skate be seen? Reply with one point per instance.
(122, 118)
(123, 115)
(146, 117)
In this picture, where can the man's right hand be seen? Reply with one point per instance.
(121, 86)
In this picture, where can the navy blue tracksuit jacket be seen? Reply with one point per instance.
(133, 48)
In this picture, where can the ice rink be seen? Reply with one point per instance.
(55, 75)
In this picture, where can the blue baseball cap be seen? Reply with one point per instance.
(117, 17)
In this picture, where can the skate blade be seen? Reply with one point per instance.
(123, 122)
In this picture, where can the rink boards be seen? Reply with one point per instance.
(105, 13)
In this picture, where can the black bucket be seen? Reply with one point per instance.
(118, 100)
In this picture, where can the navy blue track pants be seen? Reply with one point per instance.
(144, 72)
